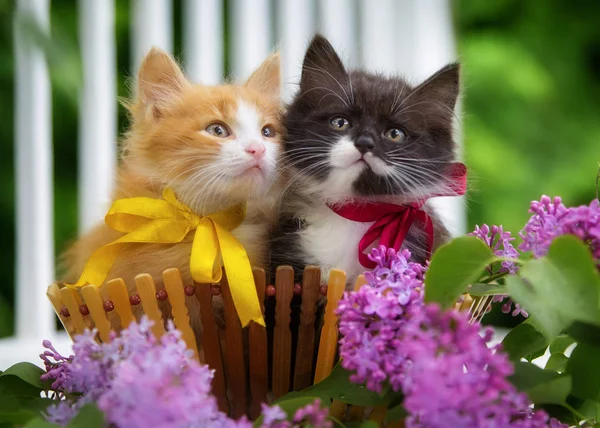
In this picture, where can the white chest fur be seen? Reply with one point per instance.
(331, 241)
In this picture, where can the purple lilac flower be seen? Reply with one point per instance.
(311, 415)
(140, 381)
(440, 362)
(136, 380)
(500, 242)
(372, 318)
(551, 219)
(454, 379)
(161, 387)
(55, 369)
(272, 415)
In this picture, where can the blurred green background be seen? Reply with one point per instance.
(531, 119)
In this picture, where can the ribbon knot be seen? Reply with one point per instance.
(391, 223)
(168, 221)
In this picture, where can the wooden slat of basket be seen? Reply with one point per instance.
(258, 352)
(337, 410)
(466, 304)
(311, 282)
(53, 294)
(478, 307)
(282, 336)
(211, 344)
(356, 413)
(120, 298)
(94, 302)
(70, 297)
(360, 281)
(378, 414)
(147, 291)
(234, 353)
(329, 334)
(87, 320)
(181, 317)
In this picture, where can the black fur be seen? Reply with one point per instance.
(372, 104)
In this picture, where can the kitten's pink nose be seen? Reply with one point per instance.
(256, 149)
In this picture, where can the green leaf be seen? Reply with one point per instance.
(528, 375)
(590, 409)
(554, 391)
(523, 340)
(337, 386)
(561, 343)
(542, 386)
(584, 332)
(560, 288)
(396, 413)
(88, 417)
(557, 362)
(480, 289)
(40, 423)
(453, 267)
(29, 373)
(288, 405)
(369, 424)
(584, 368)
(12, 385)
(18, 410)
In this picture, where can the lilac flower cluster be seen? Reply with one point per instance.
(500, 242)
(136, 381)
(311, 415)
(440, 362)
(551, 219)
(454, 379)
(139, 381)
(371, 319)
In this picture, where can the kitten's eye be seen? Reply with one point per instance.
(339, 123)
(218, 130)
(396, 135)
(268, 131)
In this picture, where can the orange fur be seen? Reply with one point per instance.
(167, 146)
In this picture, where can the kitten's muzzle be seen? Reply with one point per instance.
(364, 144)
(256, 150)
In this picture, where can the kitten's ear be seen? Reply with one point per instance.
(267, 77)
(442, 87)
(160, 82)
(321, 63)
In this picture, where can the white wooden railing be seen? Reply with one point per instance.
(413, 37)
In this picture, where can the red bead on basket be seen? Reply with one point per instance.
(135, 300)
(161, 295)
(83, 310)
(297, 289)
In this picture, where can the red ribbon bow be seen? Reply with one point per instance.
(392, 222)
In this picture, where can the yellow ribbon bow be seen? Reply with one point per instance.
(168, 221)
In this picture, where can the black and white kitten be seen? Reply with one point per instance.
(357, 136)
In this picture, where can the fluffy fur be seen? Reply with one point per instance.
(363, 137)
(173, 143)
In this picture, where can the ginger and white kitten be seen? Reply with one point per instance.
(360, 137)
(215, 146)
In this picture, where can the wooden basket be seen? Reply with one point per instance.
(247, 371)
